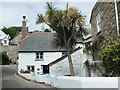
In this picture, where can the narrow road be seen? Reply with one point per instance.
(11, 80)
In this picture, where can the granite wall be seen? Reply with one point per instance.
(108, 25)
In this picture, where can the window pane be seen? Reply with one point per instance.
(28, 67)
(32, 68)
(41, 53)
(98, 21)
(37, 55)
(41, 57)
(5, 41)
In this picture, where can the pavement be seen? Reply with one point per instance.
(10, 80)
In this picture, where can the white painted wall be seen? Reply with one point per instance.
(82, 47)
(51, 56)
(75, 82)
(38, 78)
(5, 42)
(27, 76)
(25, 59)
(84, 82)
(29, 59)
(62, 68)
(2, 34)
(4, 37)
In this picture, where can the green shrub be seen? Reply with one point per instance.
(110, 55)
(24, 71)
(4, 60)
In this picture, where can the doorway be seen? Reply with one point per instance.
(45, 69)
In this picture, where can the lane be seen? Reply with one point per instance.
(11, 80)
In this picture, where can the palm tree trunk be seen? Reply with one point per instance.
(70, 62)
(69, 54)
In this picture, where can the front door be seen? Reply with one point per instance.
(45, 69)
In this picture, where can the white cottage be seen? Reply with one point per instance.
(4, 39)
(36, 52)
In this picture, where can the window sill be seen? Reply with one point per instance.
(39, 59)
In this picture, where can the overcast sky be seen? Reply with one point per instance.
(11, 12)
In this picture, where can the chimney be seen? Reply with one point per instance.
(24, 28)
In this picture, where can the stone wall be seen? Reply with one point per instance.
(12, 48)
(12, 51)
(107, 16)
(108, 23)
(118, 6)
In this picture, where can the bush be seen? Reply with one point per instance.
(4, 60)
(24, 71)
(110, 55)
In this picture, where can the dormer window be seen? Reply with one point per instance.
(39, 56)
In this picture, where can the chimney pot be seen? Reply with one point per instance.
(24, 17)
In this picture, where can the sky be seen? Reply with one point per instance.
(11, 11)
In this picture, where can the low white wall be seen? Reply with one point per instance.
(84, 82)
(75, 82)
(38, 78)
(27, 76)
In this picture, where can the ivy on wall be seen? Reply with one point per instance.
(109, 66)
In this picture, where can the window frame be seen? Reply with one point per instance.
(31, 68)
(5, 42)
(39, 55)
(98, 21)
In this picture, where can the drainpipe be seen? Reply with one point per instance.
(116, 13)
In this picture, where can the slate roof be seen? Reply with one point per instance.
(40, 41)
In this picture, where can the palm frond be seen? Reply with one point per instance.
(40, 19)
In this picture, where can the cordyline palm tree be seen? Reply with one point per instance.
(68, 24)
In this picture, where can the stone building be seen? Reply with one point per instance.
(9, 46)
(104, 18)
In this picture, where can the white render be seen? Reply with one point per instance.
(29, 58)
(84, 82)
(76, 82)
(4, 38)
(62, 68)
(2, 34)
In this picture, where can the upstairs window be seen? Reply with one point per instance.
(98, 21)
(39, 56)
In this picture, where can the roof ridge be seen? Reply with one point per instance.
(43, 32)
(25, 38)
(35, 33)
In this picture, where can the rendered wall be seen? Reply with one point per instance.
(27, 59)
